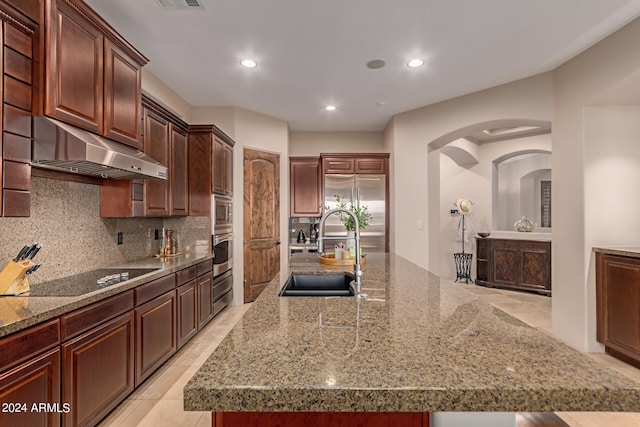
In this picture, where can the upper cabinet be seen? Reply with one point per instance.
(373, 163)
(92, 76)
(222, 164)
(165, 140)
(305, 179)
(17, 34)
(210, 167)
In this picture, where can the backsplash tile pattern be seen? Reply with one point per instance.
(65, 218)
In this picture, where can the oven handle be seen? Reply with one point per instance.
(222, 237)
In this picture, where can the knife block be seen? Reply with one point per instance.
(13, 279)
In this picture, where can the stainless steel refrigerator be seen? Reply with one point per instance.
(361, 190)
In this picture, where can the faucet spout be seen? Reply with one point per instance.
(357, 267)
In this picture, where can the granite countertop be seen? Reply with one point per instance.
(17, 313)
(413, 344)
(630, 251)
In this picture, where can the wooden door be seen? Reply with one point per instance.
(305, 179)
(261, 221)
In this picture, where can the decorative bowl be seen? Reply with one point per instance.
(484, 234)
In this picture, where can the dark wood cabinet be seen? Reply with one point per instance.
(122, 96)
(618, 305)
(17, 34)
(187, 304)
(92, 75)
(165, 140)
(156, 338)
(200, 148)
(205, 293)
(98, 370)
(178, 173)
(222, 165)
(34, 382)
(156, 145)
(514, 264)
(305, 179)
(348, 163)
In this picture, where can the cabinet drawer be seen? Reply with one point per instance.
(17, 40)
(86, 318)
(23, 345)
(16, 176)
(17, 93)
(17, 148)
(205, 267)
(186, 275)
(17, 65)
(154, 289)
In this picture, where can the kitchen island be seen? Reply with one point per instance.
(413, 344)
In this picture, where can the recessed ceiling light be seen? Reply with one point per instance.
(414, 63)
(330, 108)
(249, 63)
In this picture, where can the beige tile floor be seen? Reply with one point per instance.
(158, 402)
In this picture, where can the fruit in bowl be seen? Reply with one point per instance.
(484, 234)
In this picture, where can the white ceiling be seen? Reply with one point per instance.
(313, 53)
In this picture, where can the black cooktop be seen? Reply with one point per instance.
(86, 282)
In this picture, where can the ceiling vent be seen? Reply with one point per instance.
(181, 4)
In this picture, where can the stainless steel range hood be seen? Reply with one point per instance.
(63, 147)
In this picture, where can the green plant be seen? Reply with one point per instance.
(361, 212)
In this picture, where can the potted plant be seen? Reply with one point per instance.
(361, 212)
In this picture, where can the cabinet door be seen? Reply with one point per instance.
(535, 259)
(218, 172)
(156, 339)
(97, 371)
(33, 382)
(620, 301)
(205, 298)
(371, 166)
(228, 170)
(187, 301)
(122, 80)
(156, 145)
(305, 187)
(338, 165)
(200, 177)
(74, 84)
(178, 174)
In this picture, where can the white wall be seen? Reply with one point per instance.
(579, 84)
(474, 183)
(416, 176)
(314, 143)
(162, 93)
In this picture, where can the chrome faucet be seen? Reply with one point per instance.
(321, 238)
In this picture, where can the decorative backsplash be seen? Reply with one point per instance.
(65, 219)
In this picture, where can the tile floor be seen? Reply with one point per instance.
(158, 402)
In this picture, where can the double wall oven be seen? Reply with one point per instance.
(221, 234)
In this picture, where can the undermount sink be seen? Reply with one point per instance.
(318, 285)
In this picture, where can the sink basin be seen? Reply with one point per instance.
(318, 285)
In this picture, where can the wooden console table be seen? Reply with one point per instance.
(514, 264)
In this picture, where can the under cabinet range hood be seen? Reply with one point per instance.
(67, 148)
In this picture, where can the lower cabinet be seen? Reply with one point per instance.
(187, 301)
(205, 304)
(222, 291)
(36, 382)
(617, 303)
(156, 338)
(514, 264)
(98, 371)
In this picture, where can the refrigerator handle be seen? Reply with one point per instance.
(358, 197)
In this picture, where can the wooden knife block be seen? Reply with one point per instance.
(13, 279)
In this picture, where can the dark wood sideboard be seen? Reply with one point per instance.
(514, 264)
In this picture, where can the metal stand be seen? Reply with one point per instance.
(463, 261)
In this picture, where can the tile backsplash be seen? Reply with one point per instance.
(65, 219)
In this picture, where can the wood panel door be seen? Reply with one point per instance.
(305, 180)
(261, 221)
